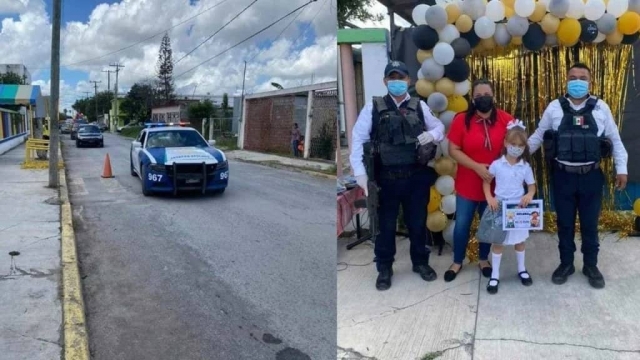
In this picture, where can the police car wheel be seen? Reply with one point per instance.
(145, 190)
(219, 192)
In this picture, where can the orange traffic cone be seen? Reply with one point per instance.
(106, 172)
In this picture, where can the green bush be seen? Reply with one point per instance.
(131, 132)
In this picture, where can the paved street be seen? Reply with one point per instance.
(246, 275)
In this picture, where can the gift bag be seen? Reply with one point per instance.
(490, 227)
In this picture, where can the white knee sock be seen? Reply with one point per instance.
(495, 264)
(521, 267)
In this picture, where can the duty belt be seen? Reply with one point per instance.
(577, 169)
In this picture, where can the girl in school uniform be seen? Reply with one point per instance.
(510, 172)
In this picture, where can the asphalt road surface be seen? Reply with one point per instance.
(249, 274)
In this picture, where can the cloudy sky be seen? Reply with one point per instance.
(96, 33)
(380, 9)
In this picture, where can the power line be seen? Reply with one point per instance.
(281, 32)
(217, 31)
(146, 39)
(245, 40)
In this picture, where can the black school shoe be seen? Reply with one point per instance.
(486, 271)
(526, 281)
(426, 272)
(450, 275)
(562, 273)
(595, 276)
(493, 289)
(383, 282)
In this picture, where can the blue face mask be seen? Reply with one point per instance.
(397, 87)
(578, 89)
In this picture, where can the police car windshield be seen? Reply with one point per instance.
(175, 138)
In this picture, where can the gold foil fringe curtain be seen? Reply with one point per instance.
(526, 82)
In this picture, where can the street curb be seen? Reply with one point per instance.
(76, 339)
(285, 167)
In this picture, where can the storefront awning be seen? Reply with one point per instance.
(19, 94)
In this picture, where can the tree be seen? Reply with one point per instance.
(140, 99)
(11, 78)
(225, 106)
(356, 10)
(277, 86)
(202, 110)
(88, 106)
(165, 69)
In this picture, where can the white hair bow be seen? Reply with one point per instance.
(515, 122)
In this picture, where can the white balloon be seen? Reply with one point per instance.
(448, 204)
(418, 14)
(437, 102)
(420, 74)
(444, 147)
(443, 53)
(431, 70)
(447, 233)
(447, 117)
(617, 7)
(445, 185)
(484, 27)
(551, 40)
(473, 8)
(495, 10)
(594, 9)
(462, 88)
(448, 33)
(524, 8)
(576, 9)
(600, 38)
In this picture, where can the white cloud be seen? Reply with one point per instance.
(378, 8)
(112, 27)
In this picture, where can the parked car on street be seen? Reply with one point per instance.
(89, 135)
(65, 128)
(170, 158)
(74, 128)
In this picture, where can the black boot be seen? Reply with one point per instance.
(595, 276)
(562, 273)
(426, 272)
(384, 278)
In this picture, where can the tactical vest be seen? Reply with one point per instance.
(577, 136)
(395, 131)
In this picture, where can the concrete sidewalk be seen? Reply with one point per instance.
(30, 306)
(313, 167)
(416, 320)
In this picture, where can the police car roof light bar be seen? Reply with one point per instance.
(159, 124)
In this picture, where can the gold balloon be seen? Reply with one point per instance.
(636, 206)
(457, 104)
(516, 40)
(615, 38)
(569, 32)
(464, 23)
(436, 221)
(539, 12)
(445, 86)
(444, 166)
(423, 55)
(434, 200)
(488, 44)
(629, 23)
(509, 3)
(549, 24)
(425, 88)
(508, 12)
(453, 12)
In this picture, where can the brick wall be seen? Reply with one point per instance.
(324, 125)
(269, 123)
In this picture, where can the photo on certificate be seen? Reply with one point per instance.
(516, 217)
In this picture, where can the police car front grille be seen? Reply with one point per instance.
(190, 168)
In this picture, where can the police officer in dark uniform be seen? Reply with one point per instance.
(578, 131)
(399, 127)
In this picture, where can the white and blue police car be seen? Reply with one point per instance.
(169, 157)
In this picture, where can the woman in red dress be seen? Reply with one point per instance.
(476, 139)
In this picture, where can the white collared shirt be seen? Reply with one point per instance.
(362, 132)
(552, 117)
(511, 178)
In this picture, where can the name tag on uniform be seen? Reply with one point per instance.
(578, 120)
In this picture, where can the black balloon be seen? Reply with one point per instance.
(471, 37)
(461, 47)
(425, 37)
(457, 70)
(589, 30)
(535, 38)
(630, 39)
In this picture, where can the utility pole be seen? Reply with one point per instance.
(54, 136)
(116, 105)
(240, 127)
(109, 94)
(86, 94)
(95, 97)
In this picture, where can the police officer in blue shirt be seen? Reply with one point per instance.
(578, 130)
(398, 124)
